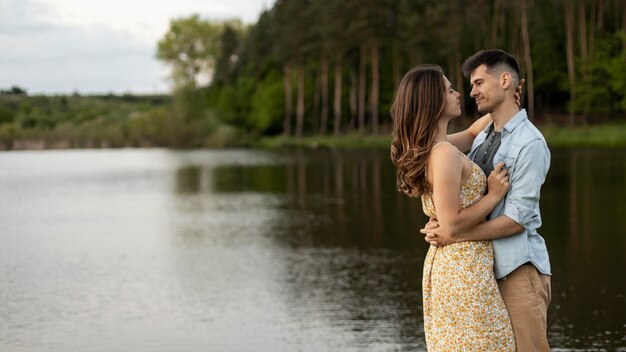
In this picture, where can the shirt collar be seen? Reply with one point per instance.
(516, 120)
(510, 126)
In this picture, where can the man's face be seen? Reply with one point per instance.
(487, 90)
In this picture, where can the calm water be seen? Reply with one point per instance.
(155, 250)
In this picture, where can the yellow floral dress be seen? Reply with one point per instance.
(463, 309)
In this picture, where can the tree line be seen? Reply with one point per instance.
(75, 121)
(331, 67)
(312, 67)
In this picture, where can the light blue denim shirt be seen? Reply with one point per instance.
(526, 156)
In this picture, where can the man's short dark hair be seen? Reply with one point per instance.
(492, 59)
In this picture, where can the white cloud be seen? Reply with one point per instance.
(63, 59)
(61, 46)
(145, 19)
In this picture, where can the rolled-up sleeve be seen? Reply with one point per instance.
(527, 175)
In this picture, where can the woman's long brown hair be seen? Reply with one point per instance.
(417, 105)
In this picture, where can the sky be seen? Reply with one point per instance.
(97, 46)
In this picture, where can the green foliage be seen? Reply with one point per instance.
(616, 66)
(218, 134)
(230, 78)
(6, 116)
(8, 133)
(232, 103)
(15, 90)
(267, 106)
(193, 46)
(75, 121)
(602, 89)
(228, 56)
(304, 33)
(256, 52)
(224, 100)
(550, 68)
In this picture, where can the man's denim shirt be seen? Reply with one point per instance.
(526, 156)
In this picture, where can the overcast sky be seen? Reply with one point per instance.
(97, 46)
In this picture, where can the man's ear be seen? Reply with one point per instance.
(506, 80)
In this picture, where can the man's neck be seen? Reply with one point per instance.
(503, 114)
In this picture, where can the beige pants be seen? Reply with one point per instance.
(526, 294)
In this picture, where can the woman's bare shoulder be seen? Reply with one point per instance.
(445, 151)
(445, 157)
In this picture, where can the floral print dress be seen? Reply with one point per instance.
(463, 309)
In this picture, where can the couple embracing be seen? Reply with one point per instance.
(486, 282)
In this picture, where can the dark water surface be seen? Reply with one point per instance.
(156, 250)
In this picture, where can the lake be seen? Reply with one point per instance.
(243, 250)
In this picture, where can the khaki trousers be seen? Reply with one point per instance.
(526, 294)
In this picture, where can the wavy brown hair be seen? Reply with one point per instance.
(417, 105)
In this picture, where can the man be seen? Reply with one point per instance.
(522, 266)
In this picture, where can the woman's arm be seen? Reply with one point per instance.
(447, 167)
(463, 140)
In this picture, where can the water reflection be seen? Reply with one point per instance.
(351, 251)
(585, 227)
(352, 193)
(248, 250)
(326, 262)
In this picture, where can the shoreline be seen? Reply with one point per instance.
(608, 135)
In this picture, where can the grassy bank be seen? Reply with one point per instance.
(349, 141)
(605, 135)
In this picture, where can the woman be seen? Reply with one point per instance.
(463, 309)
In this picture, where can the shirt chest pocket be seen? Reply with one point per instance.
(509, 164)
(507, 158)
